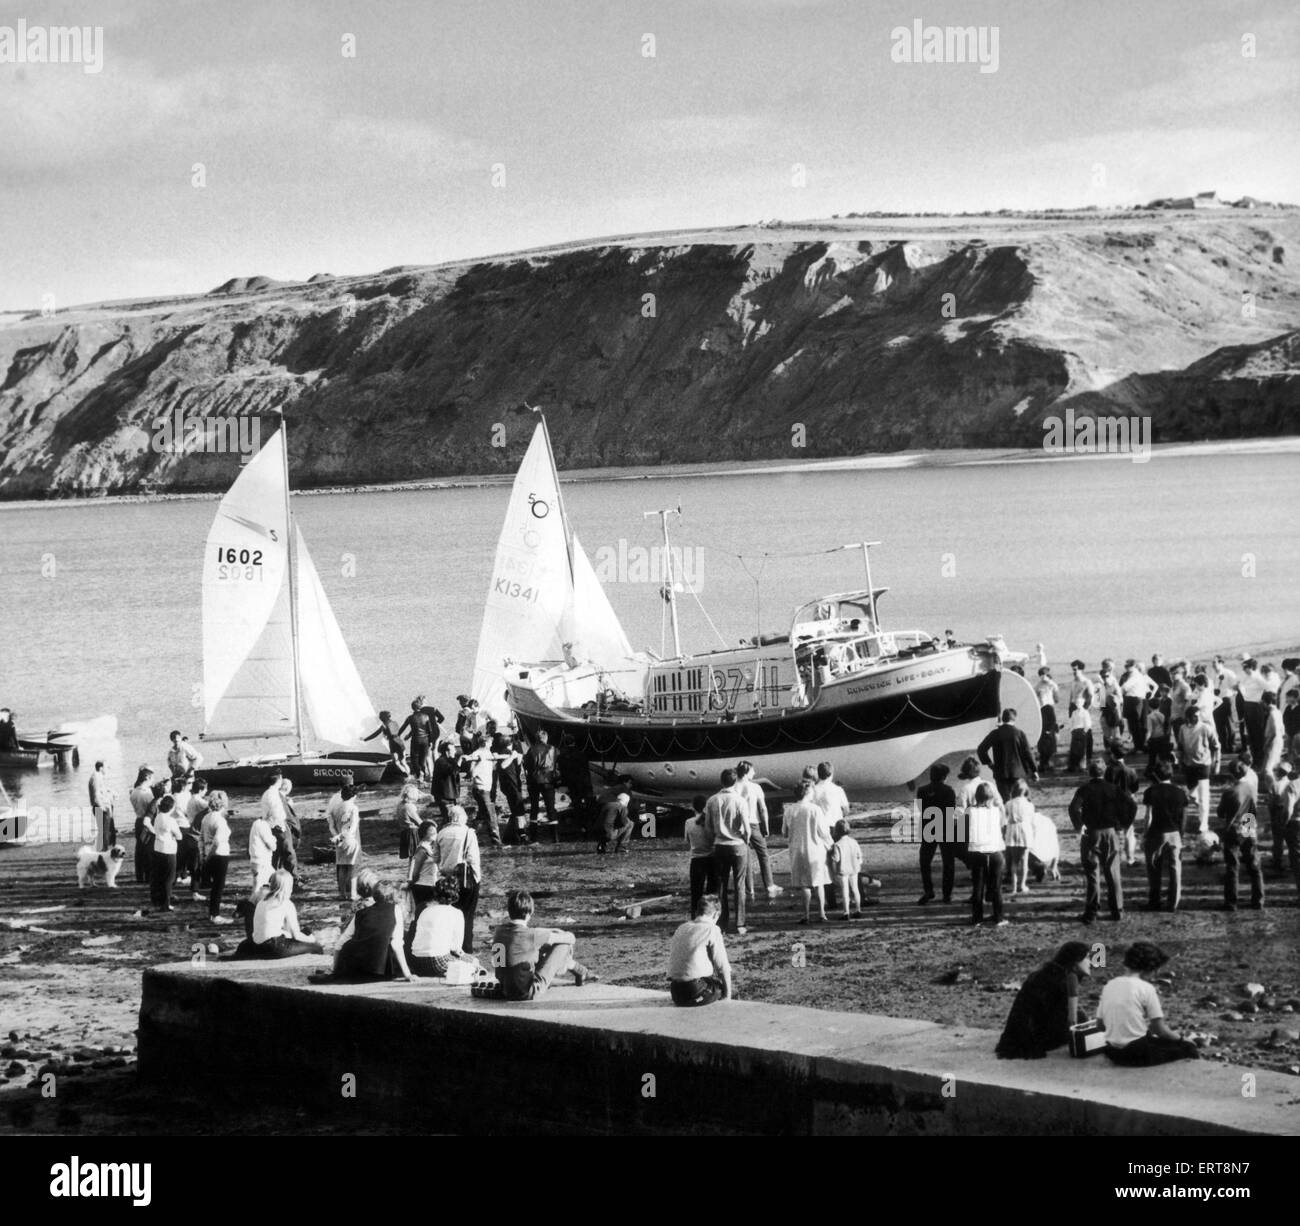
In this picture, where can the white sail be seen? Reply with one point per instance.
(338, 708)
(247, 644)
(591, 627)
(531, 582)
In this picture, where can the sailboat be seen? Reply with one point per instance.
(274, 658)
(881, 705)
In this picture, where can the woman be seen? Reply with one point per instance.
(261, 850)
(166, 838)
(809, 835)
(1136, 1032)
(1046, 1007)
(345, 833)
(392, 740)
(1018, 835)
(458, 858)
(407, 819)
(142, 802)
(984, 853)
(438, 933)
(216, 853)
(424, 871)
(372, 942)
(276, 933)
(287, 836)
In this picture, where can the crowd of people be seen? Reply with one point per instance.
(1186, 719)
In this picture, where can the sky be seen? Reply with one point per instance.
(239, 139)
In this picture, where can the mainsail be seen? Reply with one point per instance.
(544, 601)
(338, 707)
(247, 642)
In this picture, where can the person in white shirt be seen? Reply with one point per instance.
(272, 801)
(261, 847)
(1136, 1031)
(166, 838)
(215, 833)
(1080, 736)
(1137, 689)
(458, 857)
(1250, 694)
(182, 757)
(828, 795)
(481, 763)
(438, 934)
(276, 933)
(751, 795)
(699, 971)
(985, 851)
(344, 820)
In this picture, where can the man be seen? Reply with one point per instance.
(8, 732)
(1291, 717)
(1198, 746)
(422, 737)
(540, 764)
(1240, 838)
(1180, 697)
(695, 834)
(615, 824)
(1005, 751)
(1111, 698)
(1166, 804)
(751, 794)
(1274, 739)
(1100, 813)
(1158, 672)
(1225, 707)
(480, 764)
(938, 805)
(1083, 693)
(271, 801)
(698, 970)
(446, 779)
(1048, 692)
(728, 827)
(101, 805)
(1137, 689)
(1125, 778)
(1250, 694)
(182, 757)
(528, 960)
(1281, 808)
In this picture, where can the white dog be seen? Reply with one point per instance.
(95, 865)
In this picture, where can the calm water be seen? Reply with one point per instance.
(99, 604)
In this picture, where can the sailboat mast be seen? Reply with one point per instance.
(671, 588)
(292, 555)
(564, 515)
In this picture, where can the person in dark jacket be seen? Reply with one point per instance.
(1101, 812)
(1046, 1006)
(541, 764)
(1005, 751)
(938, 804)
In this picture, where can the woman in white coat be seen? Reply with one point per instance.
(809, 834)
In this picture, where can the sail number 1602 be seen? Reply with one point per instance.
(235, 563)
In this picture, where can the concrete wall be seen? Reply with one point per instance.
(603, 1059)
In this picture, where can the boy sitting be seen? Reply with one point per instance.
(526, 959)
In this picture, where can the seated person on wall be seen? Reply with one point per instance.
(276, 933)
(372, 942)
(1046, 1006)
(1136, 1032)
(527, 960)
(436, 936)
(698, 970)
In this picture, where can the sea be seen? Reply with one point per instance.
(1192, 552)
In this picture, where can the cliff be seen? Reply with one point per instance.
(779, 341)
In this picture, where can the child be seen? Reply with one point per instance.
(1080, 735)
(1136, 1033)
(1018, 834)
(1158, 743)
(846, 857)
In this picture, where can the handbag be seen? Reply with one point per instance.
(1087, 1039)
(461, 972)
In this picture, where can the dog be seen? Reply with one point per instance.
(93, 866)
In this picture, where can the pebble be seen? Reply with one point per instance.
(1248, 1006)
(1252, 990)
(1233, 1016)
(7, 1050)
(13, 1036)
(15, 1069)
(1269, 1002)
(1286, 1008)
(214, 948)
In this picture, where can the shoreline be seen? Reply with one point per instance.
(966, 457)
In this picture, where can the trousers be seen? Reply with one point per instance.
(729, 865)
(1237, 852)
(1099, 853)
(1164, 857)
